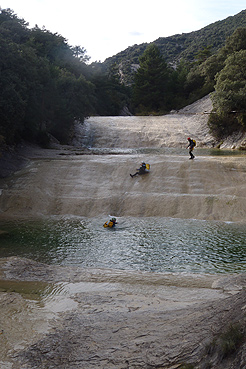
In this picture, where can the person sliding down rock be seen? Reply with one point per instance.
(141, 170)
(192, 144)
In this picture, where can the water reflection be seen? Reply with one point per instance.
(148, 244)
(167, 151)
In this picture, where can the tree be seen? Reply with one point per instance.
(177, 80)
(13, 90)
(80, 53)
(229, 98)
(230, 88)
(110, 95)
(203, 54)
(151, 82)
(43, 88)
(236, 42)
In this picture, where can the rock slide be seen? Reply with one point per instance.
(74, 181)
(117, 319)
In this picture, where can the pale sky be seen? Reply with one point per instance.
(106, 27)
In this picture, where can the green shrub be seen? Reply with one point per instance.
(230, 340)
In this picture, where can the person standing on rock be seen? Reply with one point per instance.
(192, 144)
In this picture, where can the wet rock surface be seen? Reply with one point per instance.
(118, 319)
(87, 182)
(68, 317)
(136, 339)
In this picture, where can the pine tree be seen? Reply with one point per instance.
(150, 82)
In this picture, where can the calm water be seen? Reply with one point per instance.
(169, 151)
(147, 244)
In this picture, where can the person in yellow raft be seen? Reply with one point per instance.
(110, 223)
(141, 170)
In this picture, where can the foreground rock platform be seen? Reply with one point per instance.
(117, 319)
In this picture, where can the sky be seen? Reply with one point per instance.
(106, 27)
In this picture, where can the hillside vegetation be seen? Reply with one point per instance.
(47, 85)
(183, 46)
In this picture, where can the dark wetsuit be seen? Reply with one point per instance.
(141, 170)
(191, 146)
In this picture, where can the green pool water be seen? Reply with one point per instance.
(146, 244)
